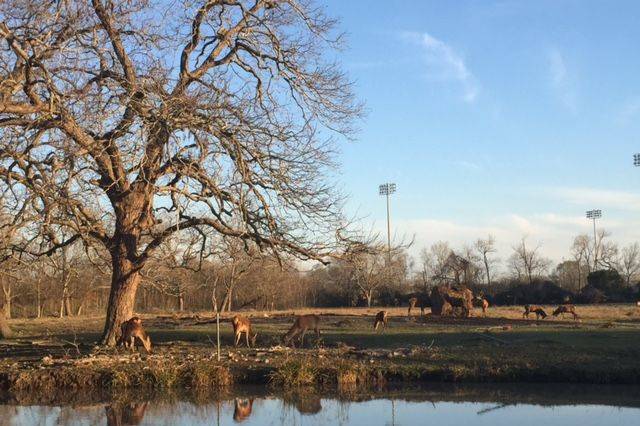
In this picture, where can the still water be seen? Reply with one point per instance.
(495, 406)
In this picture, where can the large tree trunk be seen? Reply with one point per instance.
(125, 279)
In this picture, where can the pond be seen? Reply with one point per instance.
(441, 405)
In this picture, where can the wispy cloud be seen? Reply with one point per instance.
(445, 64)
(560, 81)
(553, 232)
(602, 198)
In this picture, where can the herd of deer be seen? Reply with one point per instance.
(132, 330)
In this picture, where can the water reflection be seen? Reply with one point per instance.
(442, 405)
(129, 414)
(306, 403)
(242, 409)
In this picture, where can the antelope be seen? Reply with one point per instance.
(568, 309)
(535, 309)
(381, 318)
(132, 330)
(243, 325)
(300, 327)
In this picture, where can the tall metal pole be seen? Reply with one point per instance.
(388, 230)
(387, 189)
(594, 214)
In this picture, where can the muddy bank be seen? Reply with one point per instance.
(345, 369)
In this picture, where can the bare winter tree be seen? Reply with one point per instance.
(486, 248)
(212, 112)
(597, 254)
(527, 261)
(628, 263)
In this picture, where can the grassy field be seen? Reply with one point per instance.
(602, 347)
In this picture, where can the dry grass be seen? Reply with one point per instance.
(602, 347)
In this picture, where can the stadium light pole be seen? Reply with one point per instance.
(387, 189)
(593, 215)
(636, 160)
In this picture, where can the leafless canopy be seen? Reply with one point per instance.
(217, 114)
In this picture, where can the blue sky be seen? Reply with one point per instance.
(502, 117)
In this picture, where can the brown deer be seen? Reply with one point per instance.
(381, 319)
(415, 301)
(243, 325)
(300, 327)
(242, 409)
(482, 303)
(566, 309)
(536, 310)
(132, 330)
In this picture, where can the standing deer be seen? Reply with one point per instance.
(415, 301)
(566, 309)
(381, 319)
(300, 327)
(536, 310)
(482, 303)
(132, 330)
(243, 325)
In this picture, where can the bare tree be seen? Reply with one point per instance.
(215, 112)
(528, 262)
(628, 263)
(485, 249)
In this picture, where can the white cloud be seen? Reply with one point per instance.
(560, 80)
(445, 64)
(554, 233)
(600, 198)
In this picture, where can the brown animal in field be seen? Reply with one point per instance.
(566, 309)
(381, 319)
(243, 325)
(482, 303)
(300, 327)
(242, 409)
(132, 330)
(413, 302)
(536, 310)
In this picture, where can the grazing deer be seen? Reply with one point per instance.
(132, 330)
(300, 327)
(242, 409)
(243, 325)
(381, 318)
(566, 309)
(536, 310)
